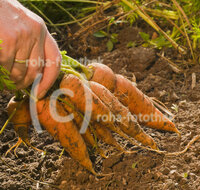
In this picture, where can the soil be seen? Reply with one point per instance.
(140, 170)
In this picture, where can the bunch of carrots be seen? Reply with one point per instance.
(111, 95)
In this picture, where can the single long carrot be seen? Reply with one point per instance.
(122, 116)
(130, 96)
(21, 121)
(87, 136)
(141, 106)
(67, 133)
(78, 120)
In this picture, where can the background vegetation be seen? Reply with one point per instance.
(176, 23)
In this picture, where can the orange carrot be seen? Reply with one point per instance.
(141, 106)
(123, 117)
(87, 136)
(99, 109)
(104, 74)
(74, 84)
(101, 131)
(67, 133)
(21, 119)
(131, 97)
(105, 135)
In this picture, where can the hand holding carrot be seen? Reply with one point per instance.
(27, 47)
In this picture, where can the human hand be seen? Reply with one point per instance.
(27, 47)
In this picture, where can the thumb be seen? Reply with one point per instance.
(51, 68)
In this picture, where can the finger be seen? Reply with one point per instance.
(52, 65)
(7, 54)
(19, 69)
(34, 66)
(18, 72)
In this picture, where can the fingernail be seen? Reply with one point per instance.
(42, 94)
